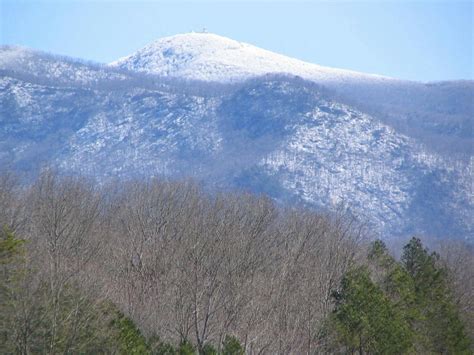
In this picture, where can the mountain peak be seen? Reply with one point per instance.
(194, 41)
(211, 57)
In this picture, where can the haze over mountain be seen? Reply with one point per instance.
(397, 153)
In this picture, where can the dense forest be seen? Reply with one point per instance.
(165, 267)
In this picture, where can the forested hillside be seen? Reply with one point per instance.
(165, 267)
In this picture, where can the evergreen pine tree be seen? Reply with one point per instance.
(366, 320)
(439, 324)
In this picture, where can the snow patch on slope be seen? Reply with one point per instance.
(347, 157)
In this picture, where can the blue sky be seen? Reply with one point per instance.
(422, 40)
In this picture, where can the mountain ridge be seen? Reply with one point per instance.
(393, 101)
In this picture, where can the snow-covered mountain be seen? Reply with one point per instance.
(209, 57)
(301, 139)
(439, 115)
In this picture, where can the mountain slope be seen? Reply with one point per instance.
(278, 135)
(52, 69)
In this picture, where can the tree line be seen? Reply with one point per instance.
(164, 267)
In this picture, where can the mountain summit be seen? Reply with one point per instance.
(210, 57)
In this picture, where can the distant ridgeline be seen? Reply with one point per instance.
(397, 154)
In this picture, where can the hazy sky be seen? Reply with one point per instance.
(424, 40)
